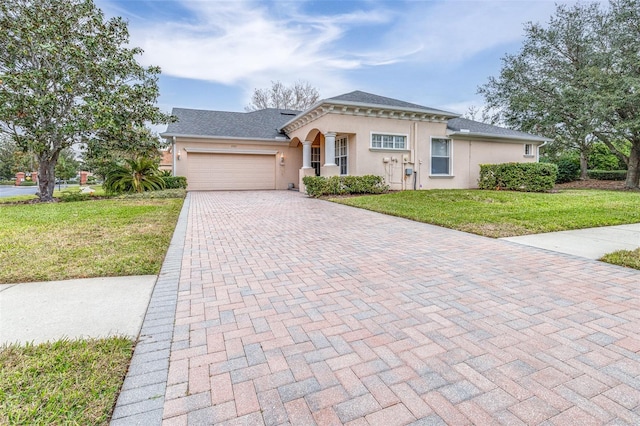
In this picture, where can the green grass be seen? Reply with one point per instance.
(628, 258)
(66, 382)
(76, 382)
(504, 213)
(104, 237)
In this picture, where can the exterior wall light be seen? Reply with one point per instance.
(282, 158)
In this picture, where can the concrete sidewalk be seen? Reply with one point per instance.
(592, 243)
(94, 307)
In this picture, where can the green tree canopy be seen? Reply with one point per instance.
(577, 79)
(68, 76)
(7, 153)
(67, 166)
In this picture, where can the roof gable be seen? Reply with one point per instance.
(358, 103)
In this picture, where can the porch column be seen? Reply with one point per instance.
(306, 154)
(330, 168)
(329, 149)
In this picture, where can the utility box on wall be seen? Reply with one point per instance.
(408, 171)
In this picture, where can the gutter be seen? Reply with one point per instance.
(235, 138)
(497, 136)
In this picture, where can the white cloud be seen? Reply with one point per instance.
(453, 31)
(248, 44)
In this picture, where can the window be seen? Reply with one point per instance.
(315, 159)
(440, 156)
(528, 150)
(388, 141)
(342, 155)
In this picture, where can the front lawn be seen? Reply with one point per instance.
(76, 382)
(104, 237)
(504, 213)
(66, 382)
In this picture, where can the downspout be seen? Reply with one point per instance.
(173, 150)
(416, 158)
(538, 151)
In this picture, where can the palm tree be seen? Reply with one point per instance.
(136, 175)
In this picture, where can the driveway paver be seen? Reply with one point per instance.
(293, 310)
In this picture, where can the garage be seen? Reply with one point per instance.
(232, 171)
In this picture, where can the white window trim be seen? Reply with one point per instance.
(450, 174)
(531, 151)
(346, 155)
(406, 141)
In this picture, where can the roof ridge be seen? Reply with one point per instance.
(362, 97)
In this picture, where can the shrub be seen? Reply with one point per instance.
(317, 186)
(28, 183)
(568, 169)
(136, 175)
(601, 158)
(68, 196)
(526, 177)
(174, 182)
(607, 174)
(7, 182)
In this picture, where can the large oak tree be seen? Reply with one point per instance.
(577, 79)
(67, 76)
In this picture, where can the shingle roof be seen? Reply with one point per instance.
(371, 99)
(265, 123)
(261, 124)
(460, 125)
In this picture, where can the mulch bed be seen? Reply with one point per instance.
(612, 185)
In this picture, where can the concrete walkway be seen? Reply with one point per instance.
(96, 307)
(592, 243)
(273, 308)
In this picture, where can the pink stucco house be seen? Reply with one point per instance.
(358, 133)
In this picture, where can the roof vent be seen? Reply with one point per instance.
(464, 130)
(288, 113)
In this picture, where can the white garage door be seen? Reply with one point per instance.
(209, 172)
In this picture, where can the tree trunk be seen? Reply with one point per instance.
(583, 164)
(46, 177)
(633, 171)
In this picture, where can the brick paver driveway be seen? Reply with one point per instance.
(297, 311)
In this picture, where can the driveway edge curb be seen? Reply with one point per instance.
(141, 399)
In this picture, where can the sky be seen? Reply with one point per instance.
(214, 53)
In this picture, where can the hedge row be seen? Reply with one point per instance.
(317, 186)
(526, 177)
(607, 174)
